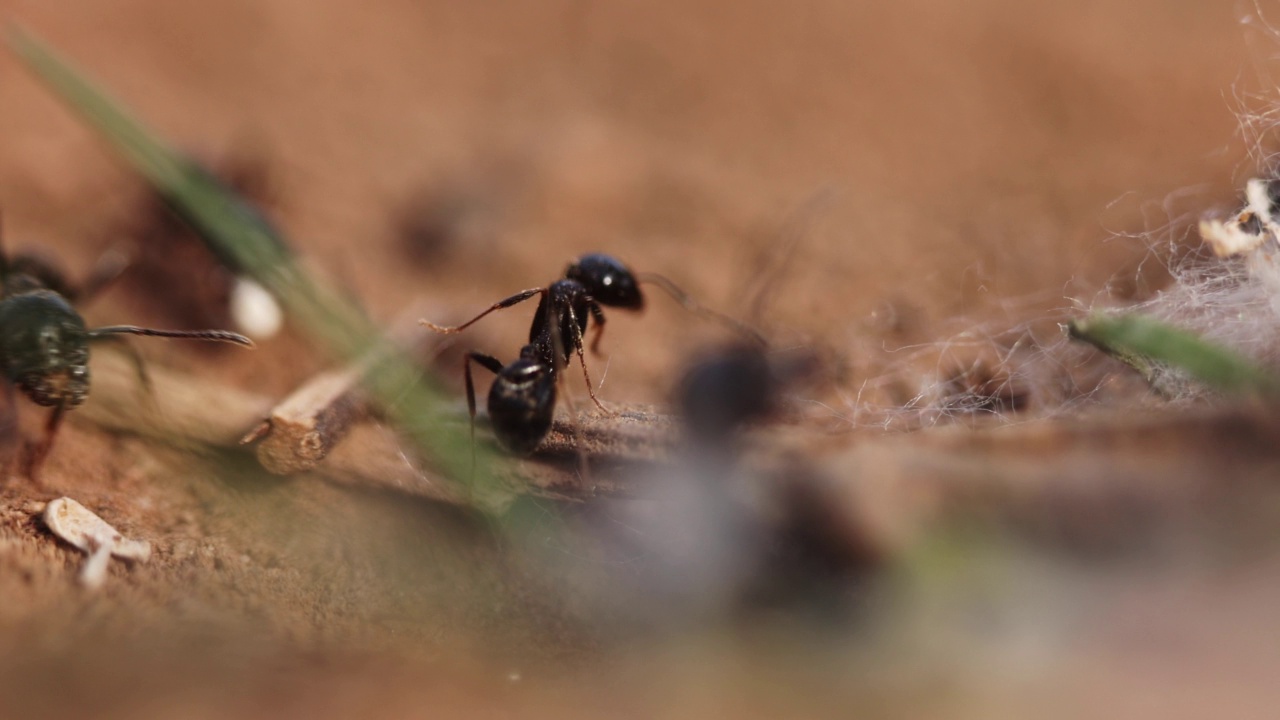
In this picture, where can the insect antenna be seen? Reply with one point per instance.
(688, 303)
(213, 335)
(116, 333)
(774, 260)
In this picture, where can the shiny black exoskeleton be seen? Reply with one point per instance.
(522, 399)
(608, 280)
(522, 395)
(44, 343)
(594, 280)
(44, 347)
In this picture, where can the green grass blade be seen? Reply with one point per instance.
(1145, 343)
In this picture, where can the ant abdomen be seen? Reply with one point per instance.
(522, 402)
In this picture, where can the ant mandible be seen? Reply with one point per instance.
(522, 397)
(44, 343)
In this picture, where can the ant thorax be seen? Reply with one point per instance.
(568, 301)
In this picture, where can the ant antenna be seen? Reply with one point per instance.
(688, 303)
(772, 262)
(214, 335)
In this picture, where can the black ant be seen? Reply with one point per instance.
(44, 344)
(522, 397)
(736, 386)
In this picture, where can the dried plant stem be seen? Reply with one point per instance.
(193, 412)
(303, 428)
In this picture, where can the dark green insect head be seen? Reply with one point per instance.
(45, 348)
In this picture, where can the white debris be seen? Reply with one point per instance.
(77, 525)
(1250, 228)
(1232, 237)
(254, 310)
(94, 572)
(1258, 194)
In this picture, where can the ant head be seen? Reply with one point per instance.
(607, 280)
(45, 348)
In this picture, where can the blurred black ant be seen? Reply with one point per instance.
(522, 397)
(725, 391)
(736, 386)
(44, 344)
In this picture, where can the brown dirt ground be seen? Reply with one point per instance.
(938, 161)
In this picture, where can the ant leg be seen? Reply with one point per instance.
(105, 271)
(35, 458)
(139, 364)
(500, 305)
(693, 306)
(10, 434)
(598, 314)
(578, 445)
(557, 352)
(493, 365)
(582, 358)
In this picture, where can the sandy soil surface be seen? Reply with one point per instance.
(854, 178)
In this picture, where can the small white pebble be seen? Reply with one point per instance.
(254, 310)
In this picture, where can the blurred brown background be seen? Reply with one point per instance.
(899, 167)
(942, 159)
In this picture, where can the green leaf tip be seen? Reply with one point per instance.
(1145, 344)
